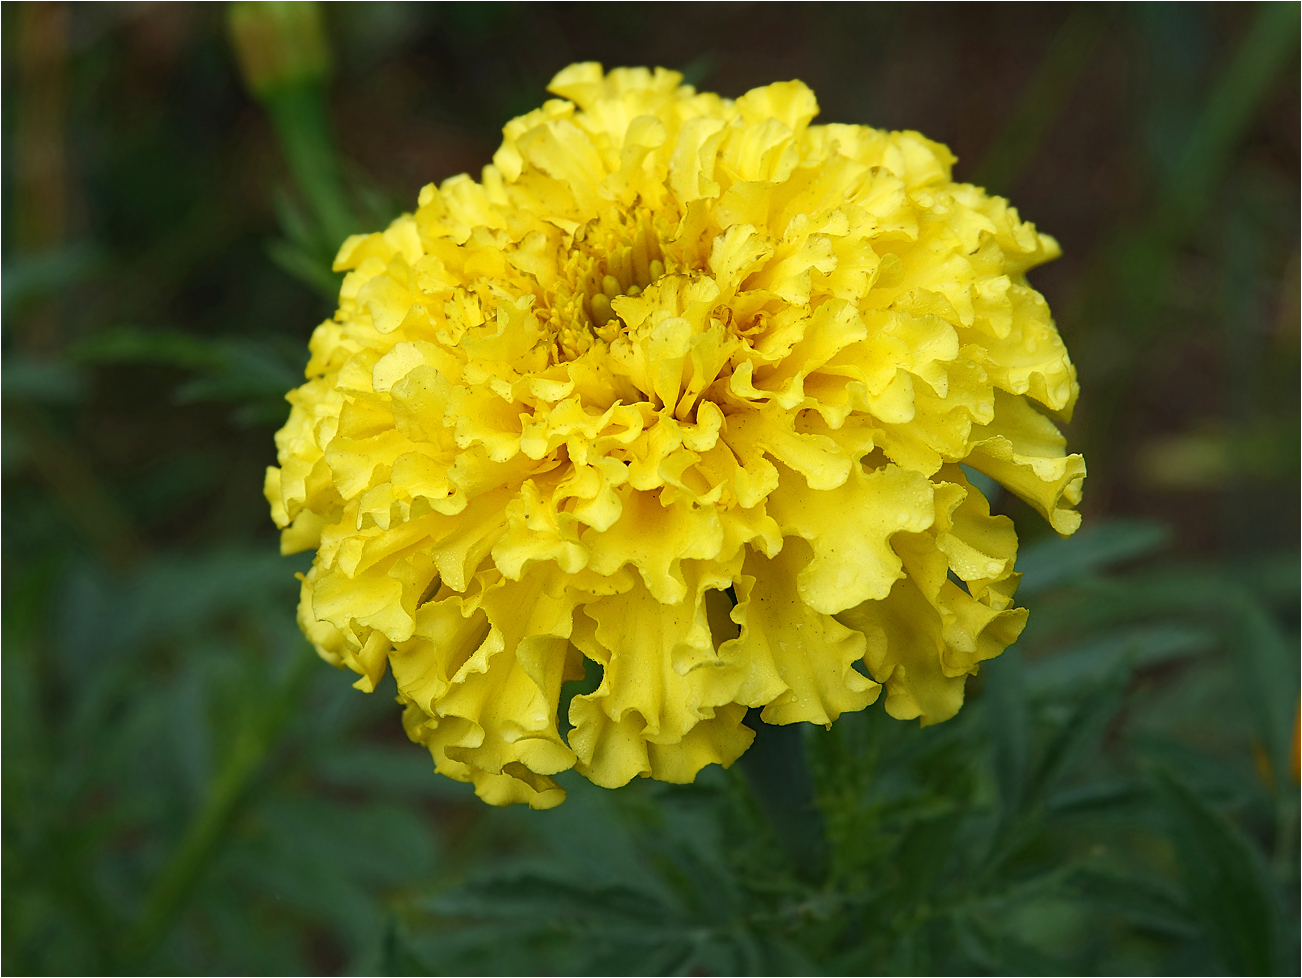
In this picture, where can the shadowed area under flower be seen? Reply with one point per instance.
(670, 350)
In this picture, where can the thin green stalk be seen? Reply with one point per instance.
(1231, 108)
(1136, 263)
(1042, 102)
(298, 112)
(88, 504)
(285, 59)
(777, 769)
(257, 735)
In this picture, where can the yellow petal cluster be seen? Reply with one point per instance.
(678, 391)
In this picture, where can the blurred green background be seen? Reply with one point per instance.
(187, 790)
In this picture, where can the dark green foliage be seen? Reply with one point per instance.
(1046, 829)
(191, 753)
(253, 375)
(188, 790)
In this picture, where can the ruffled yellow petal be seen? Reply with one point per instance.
(678, 390)
(662, 678)
(1023, 450)
(849, 529)
(798, 662)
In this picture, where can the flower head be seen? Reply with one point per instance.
(681, 390)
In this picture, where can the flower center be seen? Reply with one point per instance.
(608, 259)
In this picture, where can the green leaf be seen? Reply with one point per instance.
(1228, 111)
(1144, 900)
(398, 957)
(246, 371)
(1225, 785)
(135, 344)
(1080, 665)
(43, 381)
(252, 374)
(1044, 100)
(537, 900)
(1010, 727)
(46, 273)
(1117, 798)
(1079, 737)
(921, 858)
(1054, 562)
(305, 266)
(1273, 579)
(401, 771)
(777, 770)
(1227, 884)
(1270, 679)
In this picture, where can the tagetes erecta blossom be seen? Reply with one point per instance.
(681, 390)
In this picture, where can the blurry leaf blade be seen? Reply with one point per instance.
(35, 276)
(42, 381)
(1045, 97)
(1056, 561)
(133, 344)
(1147, 901)
(192, 854)
(312, 271)
(1228, 887)
(1009, 722)
(1081, 664)
(1270, 41)
(1270, 677)
(1085, 726)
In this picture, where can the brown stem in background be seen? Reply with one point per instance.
(41, 201)
(80, 493)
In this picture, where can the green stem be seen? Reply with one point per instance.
(257, 735)
(778, 773)
(285, 59)
(298, 112)
(1135, 264)
(1230, 109)
(1041, 104)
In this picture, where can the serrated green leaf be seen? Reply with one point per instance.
(135, 344)
(1083, 663)
(1142, 899)
(1098, 798)
(308, 267)
(1054, 562)
(1010, 727)
(1227, 885)
(776, 768)
(402, 771)
(42, 381)
(1084, 728)
(1270, 680)
(34, 276)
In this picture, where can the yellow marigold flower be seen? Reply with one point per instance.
(670, 351)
